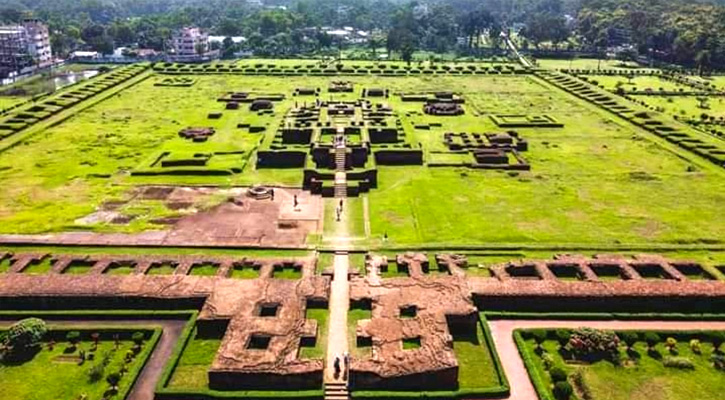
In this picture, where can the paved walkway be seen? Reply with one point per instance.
(513, 366)
(339, 304)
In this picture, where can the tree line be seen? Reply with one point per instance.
(676, 31)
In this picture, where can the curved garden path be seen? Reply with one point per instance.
(513, 366)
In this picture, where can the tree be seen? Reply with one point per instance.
(73, 337)
(651, 338)
(629, 338)
(539, 336)
(113, 379)
(717, 339)
(562, 390)
(25, 334)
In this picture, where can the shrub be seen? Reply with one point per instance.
(671, 344)
(695, 346)
(138, 337)
(562, 336)
(562, 390)
(594, 342)
(718, 361)
(539, 336)
(717, 339)
(73, 337)
(113, 380)
(96, 372)
(547, 360)
(25, 334)
(678, 362)
(651, 338)
(558, 374)
(629, 338)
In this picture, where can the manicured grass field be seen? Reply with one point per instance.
(585, 63)
(318, 351)
(475, 363)
(55, 375)
(602, 180)
(638, 83)
(643, 378)
(353, 316)
(9, 101)
(191, 371)
(686, 106)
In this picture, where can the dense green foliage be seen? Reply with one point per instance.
(25, 334)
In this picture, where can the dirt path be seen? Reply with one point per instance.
(339, 304)
(145, 385)
(513, 366)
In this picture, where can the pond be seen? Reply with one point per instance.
(47, 82)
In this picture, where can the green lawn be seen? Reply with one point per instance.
(205, 269)
(41, 266)
(353, 316)
(318, 351)
(195, 361)
(166, 268)
(287, 273)
(47, 376)
(645, 379)
(9, 101)
(475, 362)
(640, 83)
(686, 106)
(584, 63)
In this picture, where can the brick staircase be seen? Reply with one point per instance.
(340, 167)
(336, 391)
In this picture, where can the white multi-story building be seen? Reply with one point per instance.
(190, 42)
(24, 47)
(38, 41)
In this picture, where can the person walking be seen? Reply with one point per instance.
(271, 192)
(296, 203)
(346, 361)
(336, 365)
(341, 204)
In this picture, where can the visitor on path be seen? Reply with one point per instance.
(336, 364)
(341, 204)
(385, 236)
(346, 359)
(295, 202)
(271, 192)
(337, 212)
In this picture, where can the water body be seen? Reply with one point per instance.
(45, 83)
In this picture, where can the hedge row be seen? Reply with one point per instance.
(606, 101)
(542, 389)
(48, 107)
(341, 69)
(598, 316)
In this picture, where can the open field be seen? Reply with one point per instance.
(604, 181)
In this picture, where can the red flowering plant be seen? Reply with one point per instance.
(594, 344)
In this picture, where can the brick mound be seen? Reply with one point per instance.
(613, 282)
(435, 306)
(197, 134)
(229, 307)
(443, 109)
